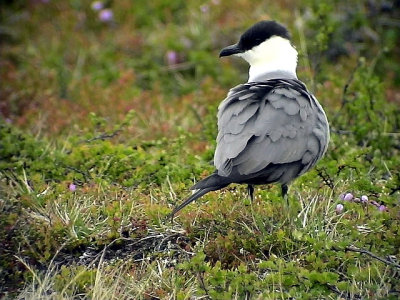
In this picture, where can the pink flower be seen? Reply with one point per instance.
(172, 57)
(106, 15)
(72, 187)
(348, 197)
(339, 208)
(97, 5)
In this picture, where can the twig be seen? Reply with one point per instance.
(363, 251)
(343, 167)
(86, 175)
(348, 83)
(342, 294)
(202, 284)
(104, 136)
(325, 178)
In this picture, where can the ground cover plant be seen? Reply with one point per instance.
(108, 116)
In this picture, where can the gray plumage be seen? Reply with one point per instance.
(279, 123)
(269, 130)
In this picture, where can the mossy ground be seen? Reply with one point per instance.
(106, 124)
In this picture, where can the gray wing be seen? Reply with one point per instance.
(259, 125)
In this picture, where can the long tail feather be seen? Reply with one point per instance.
(214, 180)
(189, 200)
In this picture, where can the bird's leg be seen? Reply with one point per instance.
(285, 197)
(286, 204)
(250, 191)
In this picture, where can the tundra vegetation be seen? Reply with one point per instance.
(108, 116)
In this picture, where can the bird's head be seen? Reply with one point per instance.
(266, 47)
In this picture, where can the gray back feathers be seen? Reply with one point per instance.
(262, 125)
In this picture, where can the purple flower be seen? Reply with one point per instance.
(364, 199)
(339, 208)
(204, 8)
(341, 196)
(72, 187)
(106, 15)
(171, 57)
(97, 5)
(382, 208)
(348, 197)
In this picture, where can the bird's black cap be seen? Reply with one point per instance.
(255, 35)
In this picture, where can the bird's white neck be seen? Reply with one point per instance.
(275, 55)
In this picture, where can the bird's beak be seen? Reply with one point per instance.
(230, 50)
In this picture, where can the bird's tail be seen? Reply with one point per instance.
(211, 183)
(189, 200)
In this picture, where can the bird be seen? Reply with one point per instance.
(271, 129)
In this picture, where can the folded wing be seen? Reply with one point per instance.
(262, 125)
